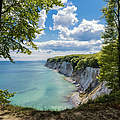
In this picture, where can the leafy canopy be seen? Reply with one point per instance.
(19, 24)
(5, 96)
(79, 62)
(110, 55)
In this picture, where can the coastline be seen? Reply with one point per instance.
(84, 78)
(74, 98)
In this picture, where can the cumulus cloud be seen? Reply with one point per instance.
(74, 37)
(61, 45)
(65, 17)
(65, 21)
(85, 31)
(63, 1)
(42, 19)
(58, 48)
(41, 22)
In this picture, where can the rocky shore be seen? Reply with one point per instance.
(88, 86)
(74, 98)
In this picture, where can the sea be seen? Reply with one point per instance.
(35, 85)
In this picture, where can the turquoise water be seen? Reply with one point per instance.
(35, 85)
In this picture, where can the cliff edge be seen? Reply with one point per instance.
(83, 70)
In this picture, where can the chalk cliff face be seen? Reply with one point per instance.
(63, 68)
(66, 69)
(86, 80)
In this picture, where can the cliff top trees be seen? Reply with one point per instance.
(19, 24)
(110, 57)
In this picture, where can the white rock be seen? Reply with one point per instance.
(66, 69)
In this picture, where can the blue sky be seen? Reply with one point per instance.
(73, 29)
(86, 9)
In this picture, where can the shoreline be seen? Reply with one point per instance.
(74, 98)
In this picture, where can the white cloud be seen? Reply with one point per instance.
(63, 1)
(65, 20)
(50, 28)
(65, 17)
(59, 48)
(85, 31)
(42, 19)
(41, 22)
(74, 38)
(61, 45)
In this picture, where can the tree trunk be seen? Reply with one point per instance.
(119, 56)
(119, 42)
(1, 1)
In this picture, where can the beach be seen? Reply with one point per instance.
(74, 98)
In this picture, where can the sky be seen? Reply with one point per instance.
(73, 29)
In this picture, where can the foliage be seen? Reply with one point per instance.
(110, 55)
(79, 62)
(5, 96)
(89, 61)
(19, 24)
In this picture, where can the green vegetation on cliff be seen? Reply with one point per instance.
(78, 61)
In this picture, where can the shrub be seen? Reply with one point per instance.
(5, 96)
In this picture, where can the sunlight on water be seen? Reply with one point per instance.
(35, 85)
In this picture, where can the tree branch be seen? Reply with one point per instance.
(13, 4)
(115, 13)
(7, 9)
(1, 2)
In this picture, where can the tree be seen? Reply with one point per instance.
(110, 55)
(5, 96)
(19, 24)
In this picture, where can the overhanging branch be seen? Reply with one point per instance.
(7, 9)
(1, 2)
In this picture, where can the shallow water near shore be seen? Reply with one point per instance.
(35, 85)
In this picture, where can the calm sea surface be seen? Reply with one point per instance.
(35, 85)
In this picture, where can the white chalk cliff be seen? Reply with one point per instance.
(86, 81)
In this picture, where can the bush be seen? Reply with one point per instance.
(5, 96)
